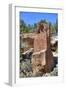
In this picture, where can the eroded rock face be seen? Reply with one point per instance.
(38, 64)
(42, 58)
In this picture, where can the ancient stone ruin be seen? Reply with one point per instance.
(42, 58)
(36, 47)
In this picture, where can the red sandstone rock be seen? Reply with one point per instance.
(42, 59)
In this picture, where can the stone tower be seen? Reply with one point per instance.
(42, 58)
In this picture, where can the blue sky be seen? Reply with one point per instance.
(34, 17)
